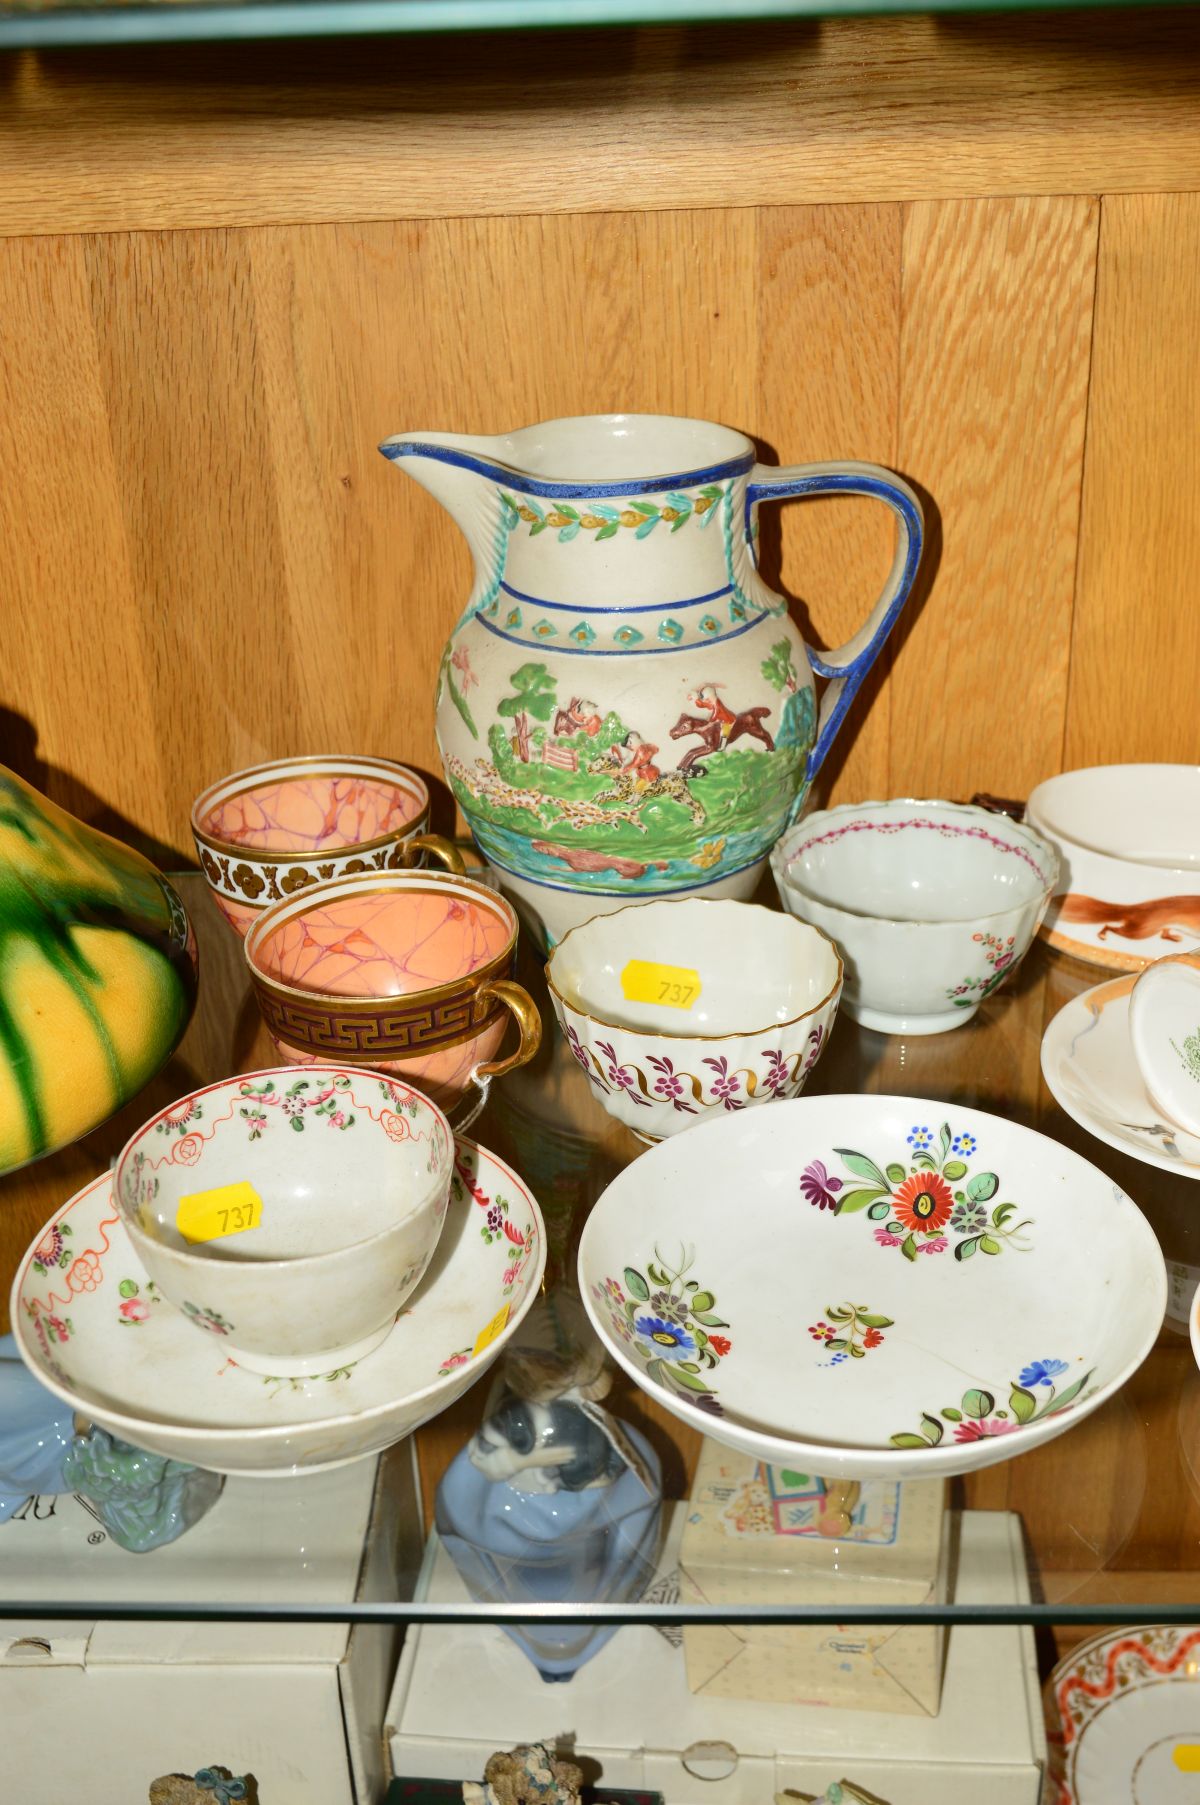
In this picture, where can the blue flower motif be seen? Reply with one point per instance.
(920, 1138)
(225, 1790)
(1041, 1372)
(665, 1340)
(964, 1143)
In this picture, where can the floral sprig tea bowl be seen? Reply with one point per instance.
(287, 1213)
(98, 1334)
(872, 1287)
(273, 829)
(679, 1010)
(932, 904)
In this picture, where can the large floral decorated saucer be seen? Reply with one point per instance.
(93, 1328)
(1089, 1064)
(872, 1286)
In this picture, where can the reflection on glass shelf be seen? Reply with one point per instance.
(1109, 1513)
(47, 23)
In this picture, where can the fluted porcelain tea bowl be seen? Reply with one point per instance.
(681, 1010)
(273, 829)
(932, 904)
(290, 1213)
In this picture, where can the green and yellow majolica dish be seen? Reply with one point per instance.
(97, 974)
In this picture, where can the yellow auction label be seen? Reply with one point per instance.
(674, 986)
(489, 1332)
(1186, 1756)
(227, 1210)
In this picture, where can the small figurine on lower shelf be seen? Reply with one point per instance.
(207, 1786)
(553, 1501)
(838, 1792)
(529, 1775)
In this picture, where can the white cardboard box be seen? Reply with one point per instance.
(96, 1710)
(463, 1691)
(751, 1534)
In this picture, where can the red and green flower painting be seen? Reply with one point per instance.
(926, 1202)
(1033, 1395)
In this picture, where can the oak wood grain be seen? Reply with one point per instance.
(273, 586)
(1135, 658)
(997, 306)
(565, 122)
(828, 375)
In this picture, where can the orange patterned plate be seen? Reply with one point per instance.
(1124, 1713)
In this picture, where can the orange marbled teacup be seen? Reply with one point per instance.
(274, 829)
(408, 972)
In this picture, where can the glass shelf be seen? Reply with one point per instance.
(1110, 1511)
(47, 24)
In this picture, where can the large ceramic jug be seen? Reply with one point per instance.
(625, 709)
(97, 974)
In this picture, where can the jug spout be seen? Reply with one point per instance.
(457, 470)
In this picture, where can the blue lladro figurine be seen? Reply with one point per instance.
(36, 1432)
(553, 1501)
(142, 1499)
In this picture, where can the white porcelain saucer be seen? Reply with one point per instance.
(1127, 1705)
(874, 1287)
(90, 1325)
(1129, 883)
(1088, 1063)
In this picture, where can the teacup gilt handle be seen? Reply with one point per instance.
(529, 1021)
(438, 847)
(848, 665)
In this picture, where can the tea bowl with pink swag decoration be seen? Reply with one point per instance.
(681, 1010)
(274, 829)
(289, 1213)
(408, 973)
(932, 904)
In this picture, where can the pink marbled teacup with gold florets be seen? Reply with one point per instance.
(272, 830)
(409, 973)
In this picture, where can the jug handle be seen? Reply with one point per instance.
(847, 665)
